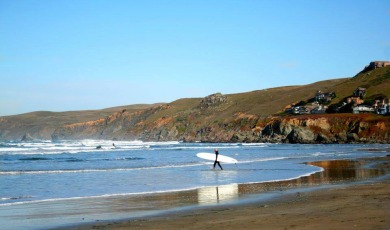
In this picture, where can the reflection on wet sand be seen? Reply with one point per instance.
(215, 195)
(336, 171)
(344, 170)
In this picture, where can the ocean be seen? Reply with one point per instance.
(47, 184)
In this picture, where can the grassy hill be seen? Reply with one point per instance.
(375, 81)
(242, 112)
(271, 101)
(41, 124)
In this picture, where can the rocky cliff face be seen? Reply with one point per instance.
(335, 128)
(118, 126)
(345, 128)
(209, 120)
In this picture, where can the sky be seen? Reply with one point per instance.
(66, 55)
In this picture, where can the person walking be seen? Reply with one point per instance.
(216, 159)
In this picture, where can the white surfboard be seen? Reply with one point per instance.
(221, 158)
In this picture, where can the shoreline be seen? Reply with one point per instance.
(276, 205)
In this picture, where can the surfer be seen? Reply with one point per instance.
(216, 159)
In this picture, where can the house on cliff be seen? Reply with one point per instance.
(382, 106)
(353, 104)
(355, 100)
(375, 65)
(378, 64)
(359, 92)
(300, 110)
(313, 105)
(363, 109)
(324, 97)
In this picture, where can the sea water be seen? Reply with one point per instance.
(42, 175)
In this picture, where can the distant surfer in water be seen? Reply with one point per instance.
(216, 159)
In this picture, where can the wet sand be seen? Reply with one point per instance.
(346, 195)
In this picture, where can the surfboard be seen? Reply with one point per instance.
(221, 158)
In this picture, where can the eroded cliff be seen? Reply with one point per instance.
(329, 128)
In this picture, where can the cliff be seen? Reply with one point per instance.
(326, 128)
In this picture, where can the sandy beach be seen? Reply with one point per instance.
(347, 205)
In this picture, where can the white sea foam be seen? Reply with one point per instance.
(284, 179)
(97, 170)
(255, 144)
(263, 159)
(84, 146)
(14, 198)
(4, 150)
(77, 146)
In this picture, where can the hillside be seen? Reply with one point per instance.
(243, 117)
(41, 124)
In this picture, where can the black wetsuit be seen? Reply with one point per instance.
(216, 160)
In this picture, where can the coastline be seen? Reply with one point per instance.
(335, 197)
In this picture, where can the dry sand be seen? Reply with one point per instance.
(347, 206)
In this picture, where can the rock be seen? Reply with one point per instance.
(212, 100)
(244, 137)
(27, 137)
(321, 138)
(363, 126)
(268, 130)
(300, 135)
(272, 129)
(353, 137)
(341, 137)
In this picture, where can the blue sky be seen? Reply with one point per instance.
(91, 54)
